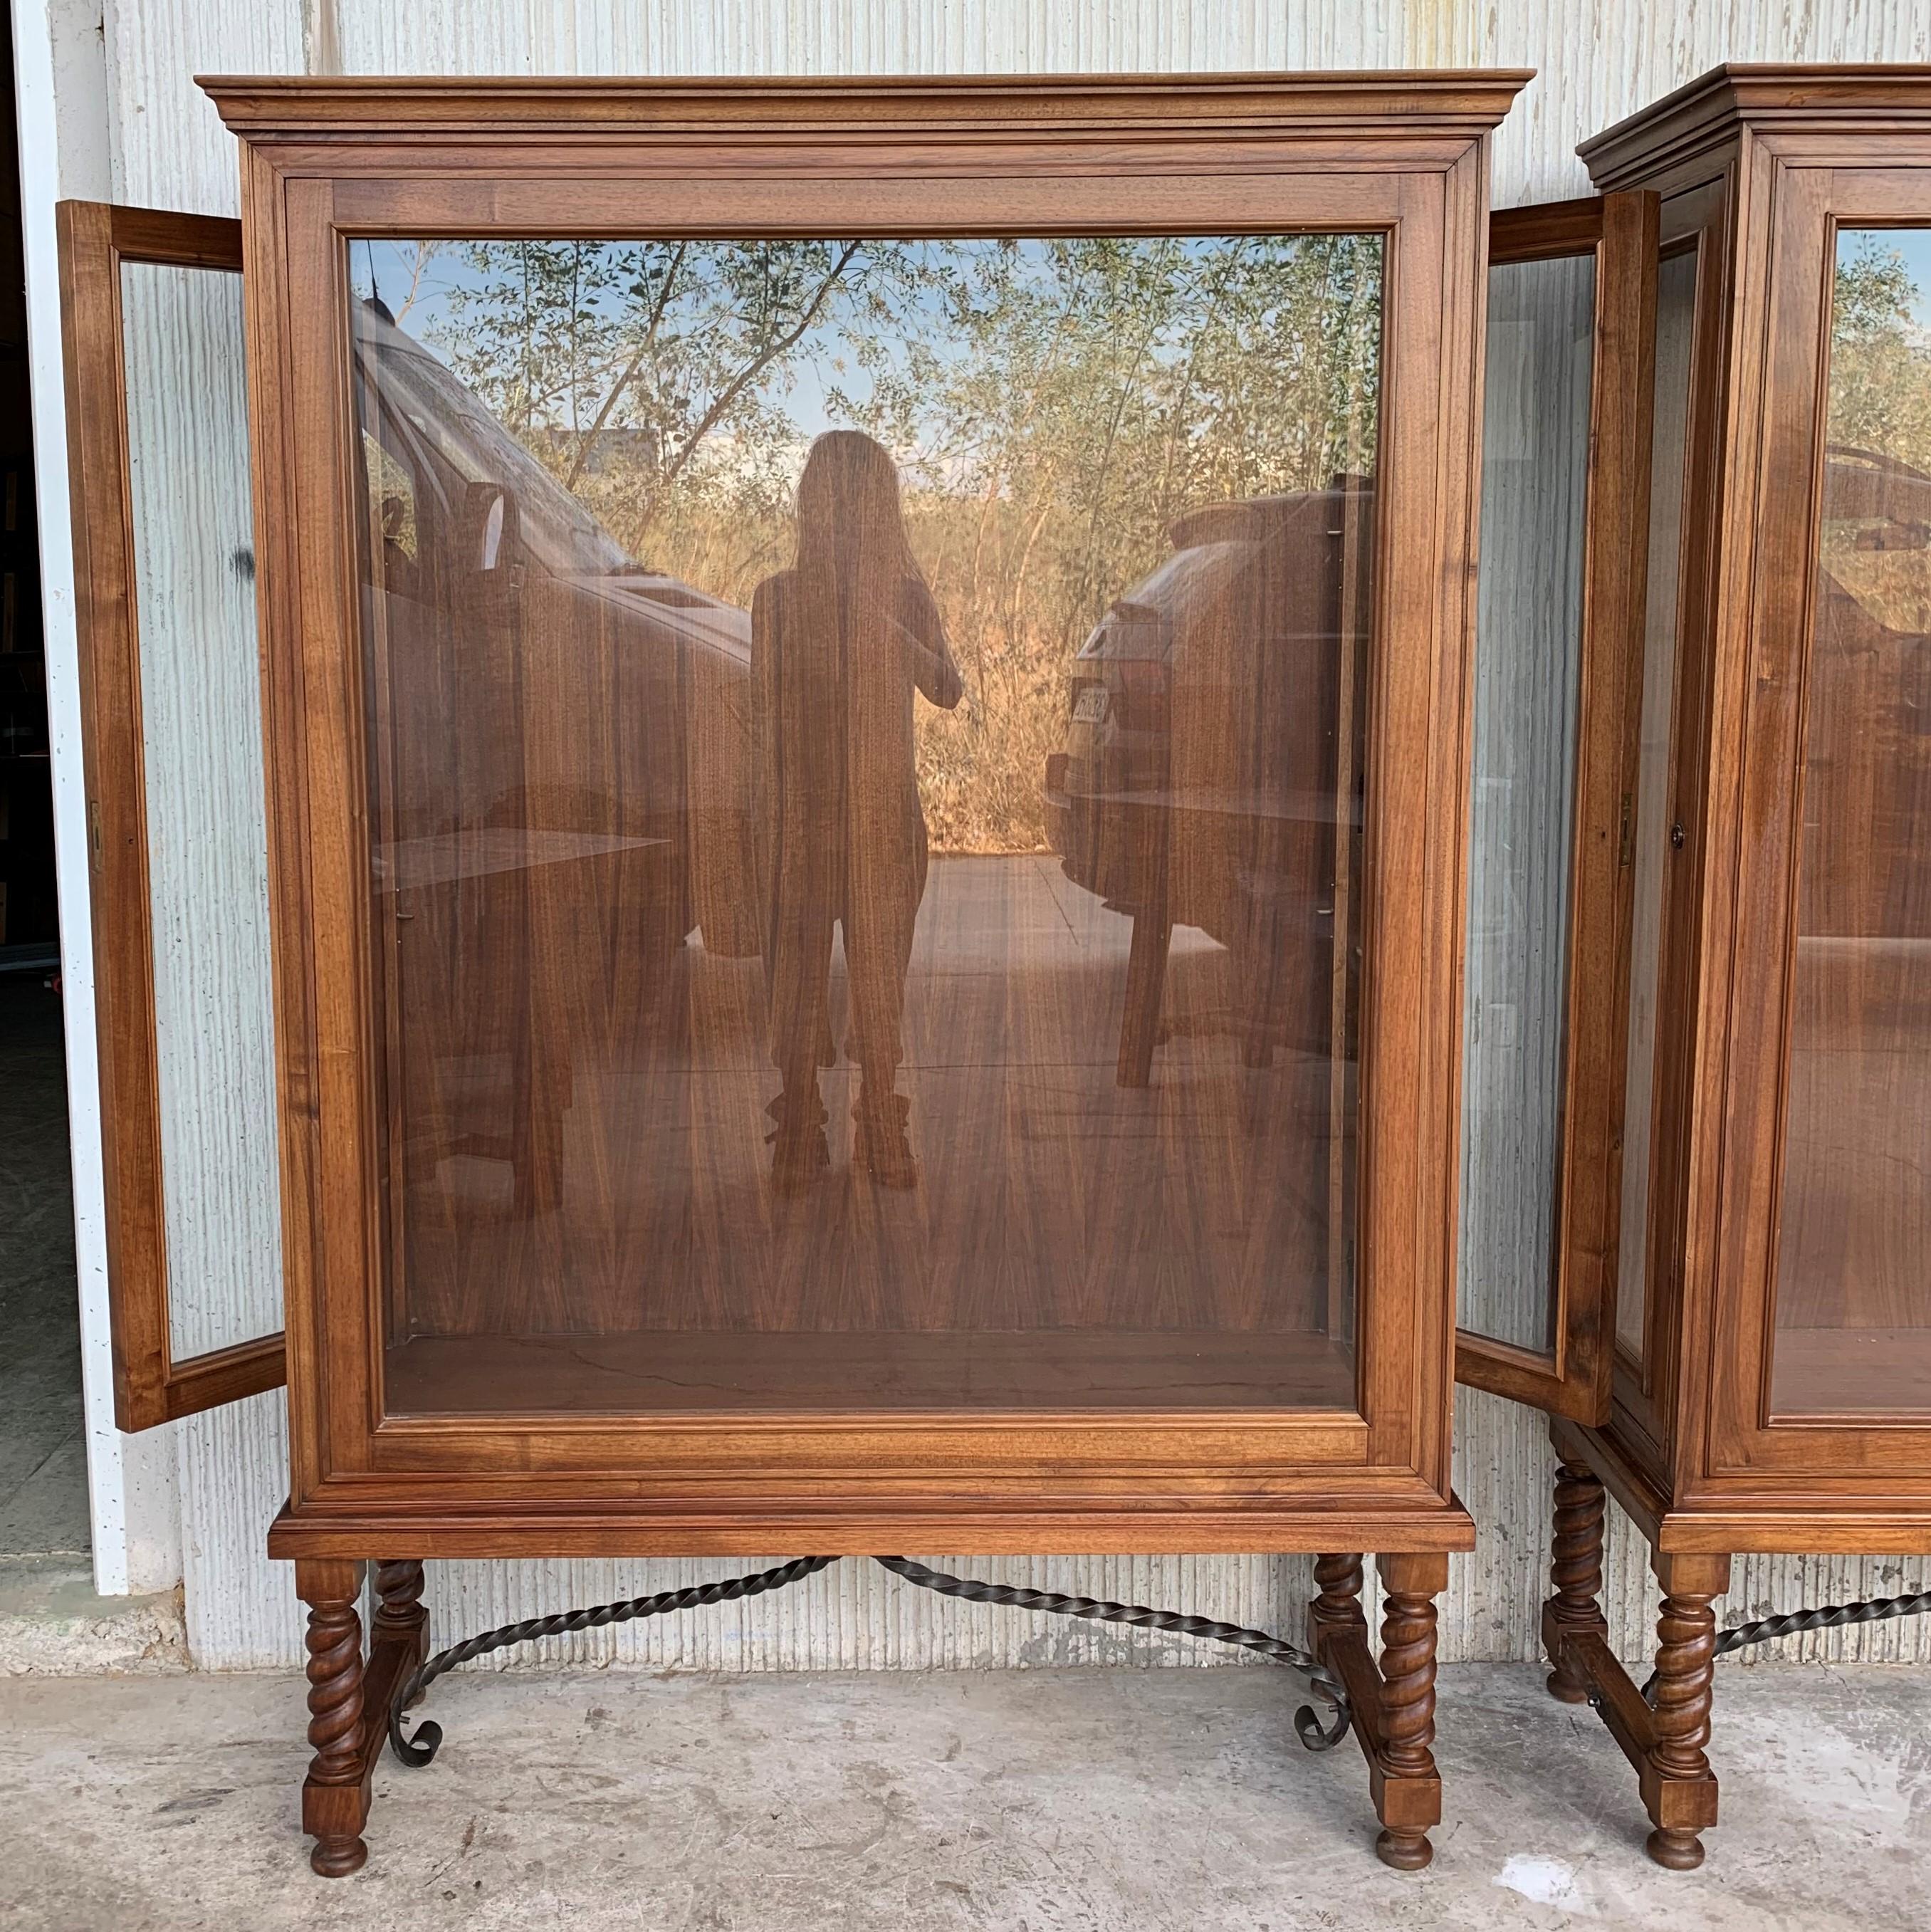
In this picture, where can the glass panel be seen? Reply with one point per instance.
(1853, 1289)
(868, 756)
(1675, 330)
(194, 575)
(1528, 666)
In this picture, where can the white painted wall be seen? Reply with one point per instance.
(1599, 59)
(61, 86)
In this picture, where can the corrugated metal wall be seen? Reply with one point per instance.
(1597, 61)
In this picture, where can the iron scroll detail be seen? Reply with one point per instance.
(418, 1749)
(1798, 1623)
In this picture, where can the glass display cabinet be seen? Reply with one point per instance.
(1750, 1369)
(864, 716)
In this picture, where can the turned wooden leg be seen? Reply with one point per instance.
(399, 1612)
(400, 1617)
(1410, 1796)
(400, 1624)
(1576, 1574)
(1338, 1579)
(1677, 1785)
(334, 1799)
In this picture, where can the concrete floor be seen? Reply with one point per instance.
(44, 1507)
(1078, 1801)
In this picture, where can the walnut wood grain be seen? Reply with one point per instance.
(151, 1386)
(1685, 1661)
(1620, 231)
(1338, 1601)
(1392, 1701)
(1408, 1702)
(400, 1616)
(1576, 1573)
(335, 1795)
(1869, 105)
(1414, 106)
(670, 1371)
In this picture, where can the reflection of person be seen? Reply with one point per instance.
(839, 643)
(398, 558)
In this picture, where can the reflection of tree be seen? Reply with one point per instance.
(670, 342)
(1880, 401)
(1880, 354)
(1095, 388)
(1055, 405)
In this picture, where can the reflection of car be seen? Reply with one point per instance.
(597, 697)
(1199, 784)
(560, 765)
(1866, 871)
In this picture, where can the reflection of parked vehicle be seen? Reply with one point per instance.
(1200, 783)
(1852, 1251)
(1865, 870)
(558, 757)
(496, 576)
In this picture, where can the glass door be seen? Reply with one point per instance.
(165, 583)
(1853, 1321)
(1565, 479)
(866, 758)
(1827, 1212)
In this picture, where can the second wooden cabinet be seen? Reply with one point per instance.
(1755, 1371)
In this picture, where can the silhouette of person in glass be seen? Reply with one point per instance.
(839, 643)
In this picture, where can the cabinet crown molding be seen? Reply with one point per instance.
(1708, 112)
(1425, 105)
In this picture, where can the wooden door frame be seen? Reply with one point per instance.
(325, 160)
(1572, 1377)
(151, 1384)
(1804, 189)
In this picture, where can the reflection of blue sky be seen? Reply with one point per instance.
(1912, 247)
(423, 286)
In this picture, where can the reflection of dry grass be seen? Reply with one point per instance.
(1893, 586)
(982, 768)
(1018, 593)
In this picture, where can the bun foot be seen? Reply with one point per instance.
(1675, 1851)
(1406, 1851)
(1567, 1690)
(336, 1858)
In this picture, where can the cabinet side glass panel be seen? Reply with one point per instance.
(866, 747)
(1528, 662)
(1675, 325)
(1854, 1288)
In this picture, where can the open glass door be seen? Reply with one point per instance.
(164, 584)
(1565, 474)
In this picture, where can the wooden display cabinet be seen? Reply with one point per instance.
(1108, 694)
(1749, 1366)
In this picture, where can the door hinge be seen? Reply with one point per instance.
(1625, 838)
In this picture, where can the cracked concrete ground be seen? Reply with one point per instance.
(1073, 1801)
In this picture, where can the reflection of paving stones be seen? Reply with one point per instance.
(1049, 1193)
